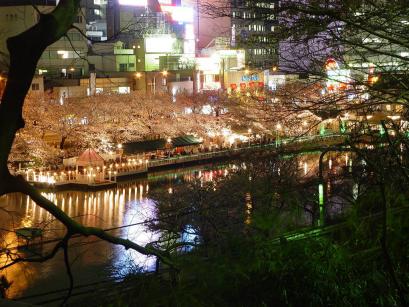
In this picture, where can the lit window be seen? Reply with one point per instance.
(124, 90)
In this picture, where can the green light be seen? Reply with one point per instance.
(321, 195)
(381, 130)
(343, 127)
(322, 130)
(321, 203)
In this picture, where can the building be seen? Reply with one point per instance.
(217, 64)
(96, 12)
(253, 26)
(63, 58)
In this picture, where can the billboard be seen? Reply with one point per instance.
(181, 14)
(133, 2)
(160, 44)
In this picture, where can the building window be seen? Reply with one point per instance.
(124, 90)
(35, 87)
(84, 121)
(123, 67)
(11, 17)
(78, 19)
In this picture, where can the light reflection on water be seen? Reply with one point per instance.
(136, 214)
(128, 204)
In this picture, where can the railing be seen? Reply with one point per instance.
(111, 173)
(298, 143)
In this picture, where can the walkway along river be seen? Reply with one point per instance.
(108, 176)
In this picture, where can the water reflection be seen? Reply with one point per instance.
(124, 211)
(137, 214)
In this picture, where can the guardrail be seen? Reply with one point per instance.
(108, 175)
(298, 143)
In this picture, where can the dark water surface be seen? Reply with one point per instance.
(123, 210)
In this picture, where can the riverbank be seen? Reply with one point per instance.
(288, 145)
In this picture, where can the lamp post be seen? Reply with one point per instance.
(169, 145)
(138, 77)
(278, 129)
(249, 132)
(164, 74)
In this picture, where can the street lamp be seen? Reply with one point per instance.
(164, 74)
(120, 152)
(169, 145)
(249, 131)
(278, 128)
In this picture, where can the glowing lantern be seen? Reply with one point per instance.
(331, 64)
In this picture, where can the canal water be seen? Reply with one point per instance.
(123, 211)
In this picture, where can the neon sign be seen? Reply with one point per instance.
(181, 14)
(133, 2)
(249, 78)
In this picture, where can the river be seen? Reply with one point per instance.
(123, 211)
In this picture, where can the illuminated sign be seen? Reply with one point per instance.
(189, 31)
(133, 2)
(338, 79)
(208, 65)
(189, 46)
(249, 78)
(331, 64)
(160, 44)
(181, 14)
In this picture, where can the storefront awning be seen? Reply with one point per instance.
(159, 144)
(187, 140)
(144, 146)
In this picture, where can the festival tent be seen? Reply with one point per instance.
(90, 158)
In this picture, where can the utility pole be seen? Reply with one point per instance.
(198, 19)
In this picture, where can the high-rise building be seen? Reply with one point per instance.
(96, 19)
(253, 26)
(64, 58)
(161, 32)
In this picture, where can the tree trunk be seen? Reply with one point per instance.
(62, 143)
